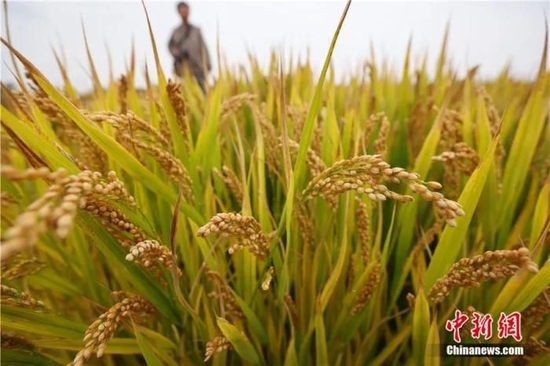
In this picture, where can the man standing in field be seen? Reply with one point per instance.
(188, 48)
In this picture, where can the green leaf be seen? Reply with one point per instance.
(207, 153)
(45, 324)
(176, 134)
(520, 156)
(116, 346)
(147, 349)
(541, 214)
(254, 322)
(37, 142)
(307, 134)
(98, 89)
(536, 285)
(239, 341)
(396, 341)
(406, 230)
(432, 357)
(23, 358)
(421, 326)
(321, 350)
(315, 105)
(291, 358)
(452, 238)
(510, 290)
(331, 283)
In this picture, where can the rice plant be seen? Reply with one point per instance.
(278, 220)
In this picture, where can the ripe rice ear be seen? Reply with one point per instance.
(490, 266)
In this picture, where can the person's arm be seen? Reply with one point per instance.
(205, 50)
(173, 47)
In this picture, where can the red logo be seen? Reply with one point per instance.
(510, 326)
(455, 324)
(482, 325)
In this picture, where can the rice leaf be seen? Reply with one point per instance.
(147, 349)
(307, 134)
(533, 288)
(291, 359)
(420, 327)
(432, 356)
(452, 238)
(240, 342)
(49, 325)
(540, 215)
(406, 230)
(390, 348)
(12, 357)
(321, 349)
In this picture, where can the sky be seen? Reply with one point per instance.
(490, 34)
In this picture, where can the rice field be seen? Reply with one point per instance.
(281, 219)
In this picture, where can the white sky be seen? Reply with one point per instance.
(490, 34)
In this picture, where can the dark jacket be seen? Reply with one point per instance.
(189, 50)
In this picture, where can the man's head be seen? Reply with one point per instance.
(183, 10)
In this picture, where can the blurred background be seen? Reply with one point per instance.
(492, 34)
